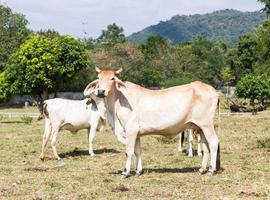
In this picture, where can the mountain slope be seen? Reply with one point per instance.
(224, 24)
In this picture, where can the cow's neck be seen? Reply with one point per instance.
(111, 103)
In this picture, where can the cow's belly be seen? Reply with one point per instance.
(171, 129)
(170, 122)
(75, 127)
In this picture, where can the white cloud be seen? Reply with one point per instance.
(91, 16)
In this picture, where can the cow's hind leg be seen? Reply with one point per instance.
(199, 148)
(53, 142)
(47, 131)
(138, 156)
(181, 141)
(190, 139)
(205, 159)
(213, 144)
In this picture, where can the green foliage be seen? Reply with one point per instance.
(266, 7)
(252, 54)
(254, 87)
(4, 88)
(13, 32)
(112, 35)
(149, 77)
(155, 46)
(181, 80)
(227, 75)
(43, 63)
(245, 56)
(219, 25)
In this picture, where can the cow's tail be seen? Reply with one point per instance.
(219, 128)
(218, 104)
(45, 110)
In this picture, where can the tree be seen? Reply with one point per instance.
(42, 64)
(13, 32)
(112, 35)
(155, 46)
(267, 6)
(227, 76)
(254, 87)
(262, 34)
(246, 56)
(4, 87)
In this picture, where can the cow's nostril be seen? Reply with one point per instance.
(101, 91)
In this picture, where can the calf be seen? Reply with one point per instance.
(72, 115)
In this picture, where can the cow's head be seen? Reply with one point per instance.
(106, 83)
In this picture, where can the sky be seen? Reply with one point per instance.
(87, 18)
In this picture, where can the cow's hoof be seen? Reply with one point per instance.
(58, 158)
(180, 151)
(138, 173)
(202, 170)
(190, 155)
(200, 155)
(41, 158)
(92, 155)
(210, 173)
(124, 175)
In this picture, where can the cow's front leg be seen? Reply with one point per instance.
(130, 146)
(91, 136)
(138, 156)
(205, 158)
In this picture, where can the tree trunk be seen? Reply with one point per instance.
(252, 101)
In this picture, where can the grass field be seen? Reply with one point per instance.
(245, 160)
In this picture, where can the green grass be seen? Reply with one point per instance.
(167, 174)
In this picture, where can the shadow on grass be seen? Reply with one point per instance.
(163, 170)
(171, 170)
(12, 122)
(77, 152)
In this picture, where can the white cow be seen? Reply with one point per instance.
(72, 115)
(134, 111)
(190, 140)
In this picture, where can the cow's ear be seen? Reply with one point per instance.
(98, 70)
(90, 88)
(119, 83)
(117, 72)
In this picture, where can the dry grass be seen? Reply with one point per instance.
(245, 154)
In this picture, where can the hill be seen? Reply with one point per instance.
(224, 24)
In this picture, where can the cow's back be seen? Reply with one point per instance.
(170, 110)
(71, 114)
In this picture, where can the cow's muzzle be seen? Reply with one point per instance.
(101, 93)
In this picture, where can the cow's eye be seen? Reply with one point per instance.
(112, 79)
